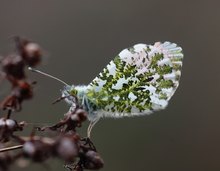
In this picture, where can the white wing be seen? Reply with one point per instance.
(141, 79)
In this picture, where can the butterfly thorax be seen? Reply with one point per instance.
(83, 97)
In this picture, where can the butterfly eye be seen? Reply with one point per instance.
(73, 92)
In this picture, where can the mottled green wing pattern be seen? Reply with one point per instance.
(140, 80)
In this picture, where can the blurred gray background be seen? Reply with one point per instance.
(81, 37)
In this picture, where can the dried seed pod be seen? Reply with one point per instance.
(92, 160)
(13, 66)
(81, 114)
(7, 128)
(32, 54)
(2, 123)
(78, 168)
(11, 124)
(37, 150)
(22, 90)
(78, 117)
(67, 148)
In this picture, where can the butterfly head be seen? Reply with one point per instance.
(73, 93)
(69, 92)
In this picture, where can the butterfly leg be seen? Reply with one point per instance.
(91, 125)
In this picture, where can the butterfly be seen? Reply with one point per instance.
(138, 81)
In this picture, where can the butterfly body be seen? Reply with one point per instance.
(139, 80)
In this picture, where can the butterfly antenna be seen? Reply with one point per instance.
(47, 75)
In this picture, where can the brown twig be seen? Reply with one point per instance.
(11, 148)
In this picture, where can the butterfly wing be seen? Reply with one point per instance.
(141, 79)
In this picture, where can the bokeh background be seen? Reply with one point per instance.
(81, 37)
